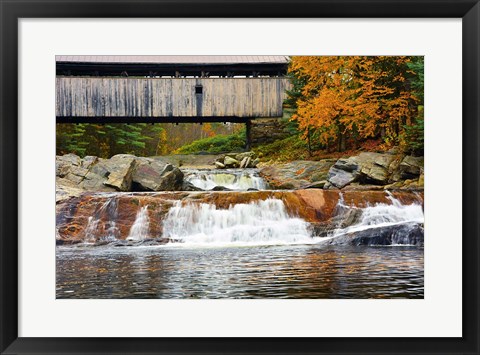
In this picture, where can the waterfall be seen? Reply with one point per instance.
(140, 228)
(233, 179)
(101, 226)
(256, 223)
(385, 224)
(253, 222)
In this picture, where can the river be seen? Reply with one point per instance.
(239, 244)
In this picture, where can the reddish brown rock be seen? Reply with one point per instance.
(115, 213)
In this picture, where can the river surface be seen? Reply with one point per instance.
(270, 271)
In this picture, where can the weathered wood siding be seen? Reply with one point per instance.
(169, 97)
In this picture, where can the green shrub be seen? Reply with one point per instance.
(215, 145)
(291, 148)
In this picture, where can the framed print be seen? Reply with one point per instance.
(226, 177)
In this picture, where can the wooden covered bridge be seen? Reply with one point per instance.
(176, 89)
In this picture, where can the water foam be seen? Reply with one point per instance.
(264, 222)
(382, 215)
(141, 227)
(234, 179)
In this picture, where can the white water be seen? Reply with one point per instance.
(234, 179)
(263, 222)
(257, 223)
(383, 215)
(104, 217)
(141, 226)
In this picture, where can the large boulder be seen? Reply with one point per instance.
(370, 169)
(121, 168)
(344, 172)
(64, 163)
(66, 189)
(374, 167)
(230, 162)
(409, 168)
(122, 172)
(296, 174)
(151, 175)
(404, 234)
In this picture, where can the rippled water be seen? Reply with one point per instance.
(288, 271)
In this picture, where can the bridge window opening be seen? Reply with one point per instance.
(199, 89)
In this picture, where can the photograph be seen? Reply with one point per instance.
(239, 177)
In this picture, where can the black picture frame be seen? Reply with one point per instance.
(12, 11)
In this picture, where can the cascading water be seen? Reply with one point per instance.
(384, 224)
(259, 222)
(140, 228)
(233, 179)
(102, 225)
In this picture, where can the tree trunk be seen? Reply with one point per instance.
(309, 142)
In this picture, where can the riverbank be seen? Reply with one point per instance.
(367, 199)
(128, 173)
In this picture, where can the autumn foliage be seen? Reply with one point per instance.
(344, 100)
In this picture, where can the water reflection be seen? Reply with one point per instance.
(298, 271)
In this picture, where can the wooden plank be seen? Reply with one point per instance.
(169, 97)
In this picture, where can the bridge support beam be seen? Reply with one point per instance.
(248, 143)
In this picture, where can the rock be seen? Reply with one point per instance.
(347, 218)
(245, 162)
(221, 188)
(340, 178)
(374, 167)
(101, 168)
(95, 182)
(328, 186)
(421, 180)
(410, 168)
(219, 165)
(343, 172)
(188, 186)
(313, 205)
(151, 175)
(268, 130)
(62, 168)
(74, 178)
(244, 155)
(230, 162)
(254, 163)
(315, 185)
(366, 168)
(88, 161)
(71, 159)
(64, 164)
(355, 186)
(347, 164)
(295, 174)
(121, 168)
(404, 234)
(66, 189)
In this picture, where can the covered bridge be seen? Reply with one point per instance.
(177, 89)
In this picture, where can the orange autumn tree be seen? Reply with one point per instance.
(207, 128)
(352, 98)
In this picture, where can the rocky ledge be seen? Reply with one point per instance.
(237, 160)
(318, 207)
(366, 171)
(122, 172)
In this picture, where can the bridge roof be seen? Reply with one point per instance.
(171, 65)
(171, 59)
